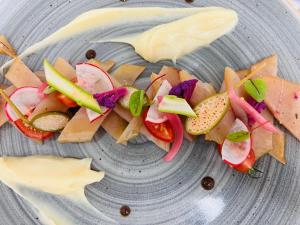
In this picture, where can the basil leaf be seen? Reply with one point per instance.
(238, 136)
(136, 102)
(256, 89)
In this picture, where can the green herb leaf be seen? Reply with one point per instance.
(256, 89)
(136, 102)
(238, 136)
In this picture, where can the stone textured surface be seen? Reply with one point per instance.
(157, 192)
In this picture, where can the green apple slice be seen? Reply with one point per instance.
(173, 104)
(69, 89)
(209, 113)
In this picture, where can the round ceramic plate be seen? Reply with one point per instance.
(158, 192)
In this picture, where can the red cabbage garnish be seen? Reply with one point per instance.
(258, 106)
(184, 89)
(110, 98)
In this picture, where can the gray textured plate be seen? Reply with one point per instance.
(157, 192)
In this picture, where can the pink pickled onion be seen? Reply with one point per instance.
(178, 131)
(251, 111)
(177, 127)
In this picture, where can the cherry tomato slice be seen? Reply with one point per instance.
(162, 131)
(31, 132)
(65, 100)
(247, 164)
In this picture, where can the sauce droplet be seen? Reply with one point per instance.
(125, 210)
(208, 183)
(90, 54)
(189, 1)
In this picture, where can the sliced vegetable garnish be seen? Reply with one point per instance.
(256, 89)
(184, 89)
(238, 136)
(209, 112)
(154, 115)
(251, 111)
(124, 101)
(94, 80)
(13, 106)
(110, 98)
(234, 152)
(177, 128)
(50, 121)
(68, 88)
(25, 99)
(162, 131)
(32, 132)
(136, 103)
(173, 104)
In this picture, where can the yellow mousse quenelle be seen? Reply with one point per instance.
(64, 177)
(181, 30)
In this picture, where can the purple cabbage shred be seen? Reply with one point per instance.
(184, 89)
(258, 106)
(110, 98)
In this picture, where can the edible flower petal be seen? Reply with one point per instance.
(258, 106)
(184, 89)
(110, 98)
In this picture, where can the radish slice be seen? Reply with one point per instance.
(25, 99)
(94, 80)
(153, 114)
(234, 153)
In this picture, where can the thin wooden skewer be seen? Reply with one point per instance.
(241, 82)
(14, 107)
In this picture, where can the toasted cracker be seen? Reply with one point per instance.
(6, 48)
(65, 68)
(106, 65)
(270, 68)
(20, 75)
(131, 131)
(201, 91)
(114, 125)
(127, 74)
(79, 128)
